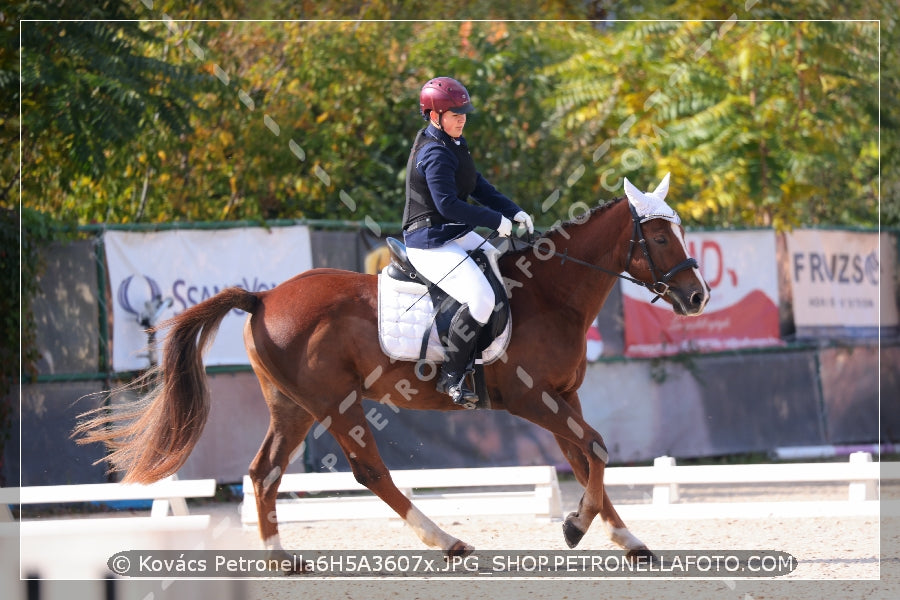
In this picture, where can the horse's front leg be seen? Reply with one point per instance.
(585, 450)
(577, 523)
(572, 452)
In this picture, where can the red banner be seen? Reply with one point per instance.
(741, 270)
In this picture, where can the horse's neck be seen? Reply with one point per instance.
(600, 241)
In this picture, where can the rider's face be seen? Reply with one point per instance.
(453, 123)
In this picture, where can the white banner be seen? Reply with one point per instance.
(839, 279)
(181, 268)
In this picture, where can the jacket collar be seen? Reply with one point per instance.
(442, 136)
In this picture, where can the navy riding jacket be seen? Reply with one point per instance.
(438, 163)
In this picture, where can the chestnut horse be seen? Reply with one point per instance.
(313, 344)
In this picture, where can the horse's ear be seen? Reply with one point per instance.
(663, 188)
(635, 196)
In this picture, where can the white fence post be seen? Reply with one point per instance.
(665, 494)
(550, 493)
(161, 506)
(862, 490)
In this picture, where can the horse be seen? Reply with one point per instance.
(313, 344)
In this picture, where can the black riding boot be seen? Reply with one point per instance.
(459, 348)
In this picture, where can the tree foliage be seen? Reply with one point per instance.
(769, 124)
(91, 86)
(87, 88)
(762, 123)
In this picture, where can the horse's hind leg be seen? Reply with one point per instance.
(288, 426)
(351, 430)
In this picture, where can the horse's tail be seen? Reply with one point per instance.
(151, 437)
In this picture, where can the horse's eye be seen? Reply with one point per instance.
(660, 239)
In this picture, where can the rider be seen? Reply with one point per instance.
(439, 223)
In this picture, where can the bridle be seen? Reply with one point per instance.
(660, 285)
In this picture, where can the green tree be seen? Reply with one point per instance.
(89, 88)
(314, 119)
(379, 10)
(890, 119)
(760, 123)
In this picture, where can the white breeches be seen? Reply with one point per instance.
(465, 283)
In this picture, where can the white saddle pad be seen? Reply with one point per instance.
(400, 331)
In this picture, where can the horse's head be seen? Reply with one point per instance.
(662, 261)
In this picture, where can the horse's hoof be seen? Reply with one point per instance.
(461, 549)
(571, 532)
(642, 552)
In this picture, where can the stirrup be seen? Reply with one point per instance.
(463, 396)
(458, 392)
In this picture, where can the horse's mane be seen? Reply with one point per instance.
(556, 230)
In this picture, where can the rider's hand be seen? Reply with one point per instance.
(523, 218)
(505, 227)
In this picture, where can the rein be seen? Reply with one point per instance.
(660, 285)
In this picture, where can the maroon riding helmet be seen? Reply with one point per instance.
(442, 94)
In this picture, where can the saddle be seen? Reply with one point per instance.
(414, 315)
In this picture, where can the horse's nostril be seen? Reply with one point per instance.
(696, 299)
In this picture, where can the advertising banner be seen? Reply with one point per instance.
(839, 279)
(157, 275)
(741, 270)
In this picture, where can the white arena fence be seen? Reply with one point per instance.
(78, 547)
(437, 492)
(860, 473)
(168, 495)
(450, 492)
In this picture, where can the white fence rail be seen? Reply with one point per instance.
(77, 548)
(167, 495)
(437, 492)
(443, 492)
(861, 475)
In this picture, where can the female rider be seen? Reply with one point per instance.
(439, 223)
